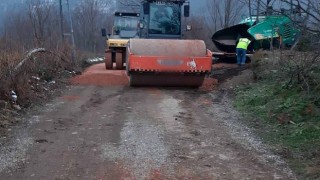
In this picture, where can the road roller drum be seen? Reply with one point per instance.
(167, 62)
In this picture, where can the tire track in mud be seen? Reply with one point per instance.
(200, 145)
(91, 104)
(69, 136)
(141, 148)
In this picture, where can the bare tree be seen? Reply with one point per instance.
(17, 30)
(311, 11)
(89, 18)
(35, 25)
(305, 14)
(39, 12)
(199, 29)
(223, 14)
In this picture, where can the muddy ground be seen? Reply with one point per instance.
(103, 129)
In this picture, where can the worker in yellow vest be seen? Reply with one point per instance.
(242, 47)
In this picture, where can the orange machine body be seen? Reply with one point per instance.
(168, 55)
(168, 63)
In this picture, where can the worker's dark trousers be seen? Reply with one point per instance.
(241, 56)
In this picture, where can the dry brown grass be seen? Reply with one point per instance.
(48, 66)
(8, 60)
(33, 80)
(294, 67)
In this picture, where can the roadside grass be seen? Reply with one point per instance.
(30, 78)
(288, 118)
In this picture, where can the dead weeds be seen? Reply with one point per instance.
(283, 106)
(33, 80)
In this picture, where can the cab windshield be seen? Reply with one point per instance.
(125, 23)
(165, 19)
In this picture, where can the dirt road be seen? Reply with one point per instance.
(98, 130)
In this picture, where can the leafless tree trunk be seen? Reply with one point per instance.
(224, 13)
(89, 17)
(38, 13)
(311, 11)
(33, 26)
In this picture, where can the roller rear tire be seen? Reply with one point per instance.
(119, 62)
(108, 61)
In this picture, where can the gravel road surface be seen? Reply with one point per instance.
(101, 130)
